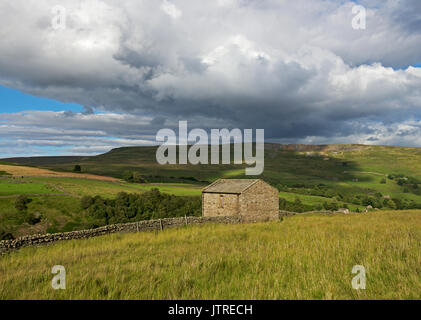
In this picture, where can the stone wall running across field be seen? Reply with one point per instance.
(147, 225)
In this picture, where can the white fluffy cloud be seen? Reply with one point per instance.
(295, 68)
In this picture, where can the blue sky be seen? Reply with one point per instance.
(12, 100)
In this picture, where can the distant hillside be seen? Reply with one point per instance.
(356, 175)
(323, 147)
(281, 161)
(348, 173)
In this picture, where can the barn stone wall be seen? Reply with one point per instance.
(260, 202)
(212, 208)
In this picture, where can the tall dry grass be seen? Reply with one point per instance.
(303, 257)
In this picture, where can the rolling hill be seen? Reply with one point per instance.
(325, 170)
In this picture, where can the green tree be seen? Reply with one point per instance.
(137, 177)
(77, 168)
(128, 176)
(86, 202)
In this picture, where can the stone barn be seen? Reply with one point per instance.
(251, 199)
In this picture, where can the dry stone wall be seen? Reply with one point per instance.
(147, 225)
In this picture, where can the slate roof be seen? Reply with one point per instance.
(235, 186)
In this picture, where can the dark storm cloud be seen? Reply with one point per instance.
(295, 68)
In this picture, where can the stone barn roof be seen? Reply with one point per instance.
(235, 186)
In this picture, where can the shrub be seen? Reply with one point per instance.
(390, 204)
(32, 218)
(282, 204)
(21, 203)
(5, 235)
(318, 207)
(401, 182)
(77, 168)
(383, 181)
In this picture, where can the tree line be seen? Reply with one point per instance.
(136, 207)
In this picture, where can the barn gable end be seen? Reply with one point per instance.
(251, 199)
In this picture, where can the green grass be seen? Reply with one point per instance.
(175, 189)
(81, 187)
(64, 213)
(8, 189)
(313, 200)
(303, 257)
(56, 212)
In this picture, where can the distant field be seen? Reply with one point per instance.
(81, 187)
(59, 213)
(303, 257)
(7, 189)
(175, 189)
(64, 212)
(37, 172)
(312, 200)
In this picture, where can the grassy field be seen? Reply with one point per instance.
(81, 187)
(63, 212)
(58, 213)
(8, 189)
(302, 257)
(313, 200)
